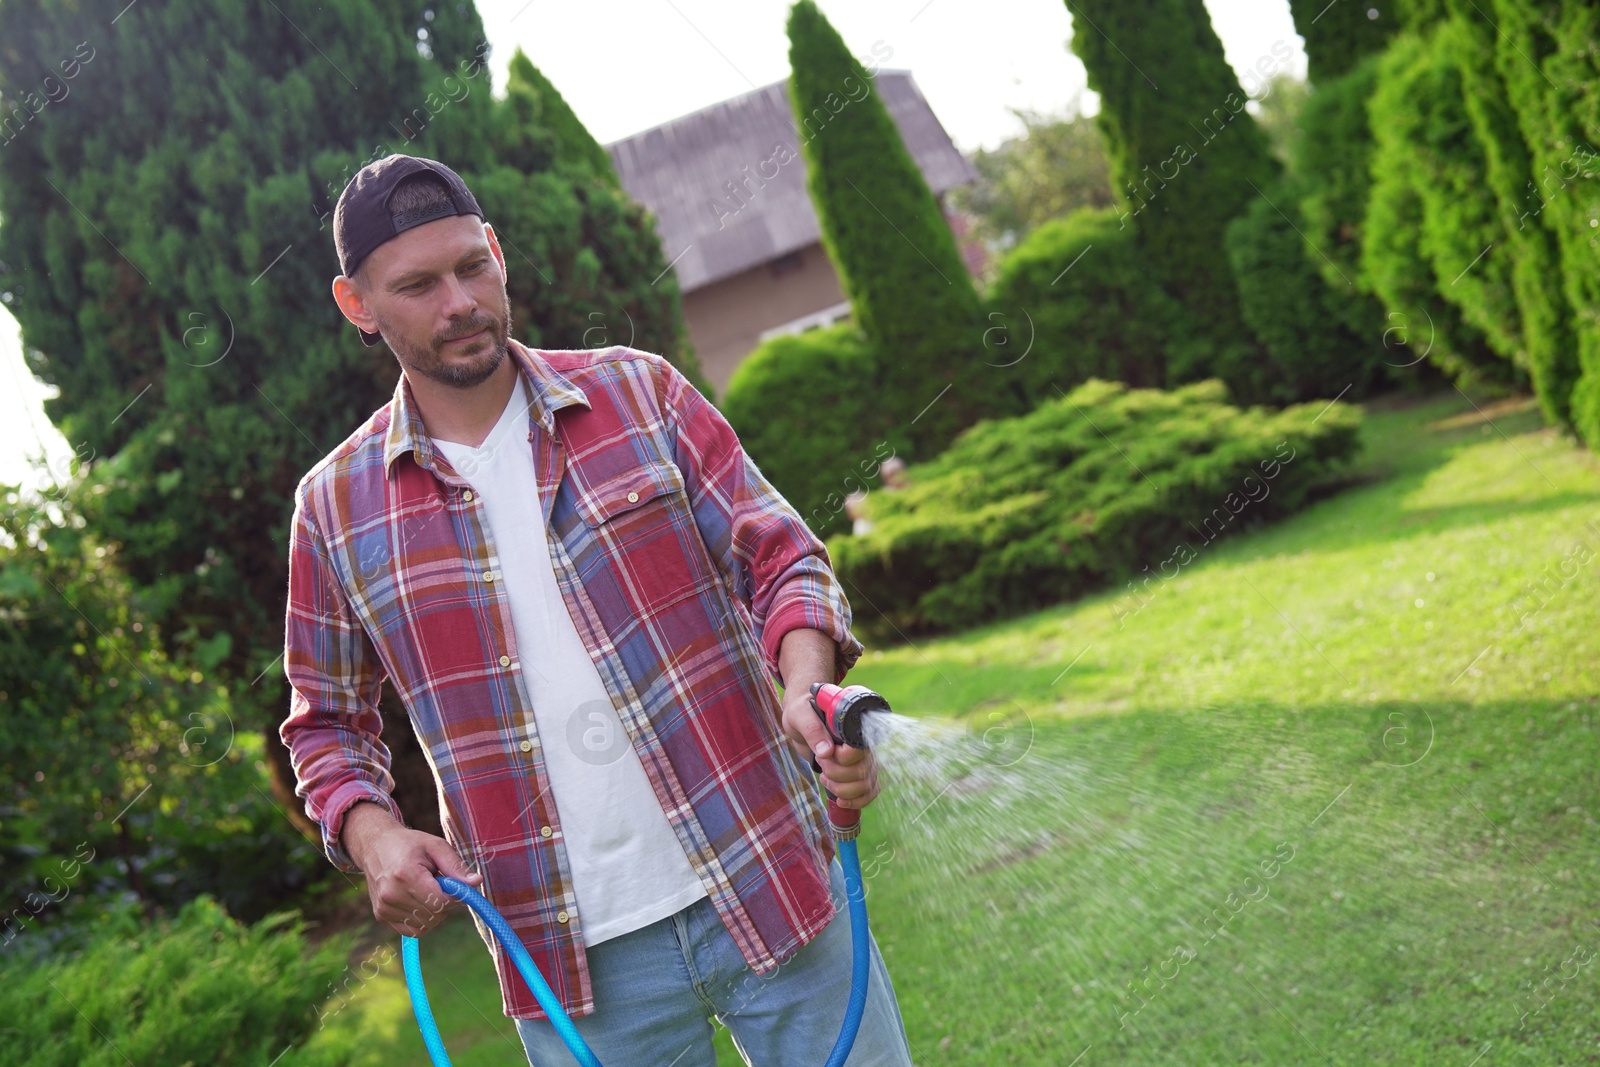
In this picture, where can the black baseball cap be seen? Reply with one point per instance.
(362, 220)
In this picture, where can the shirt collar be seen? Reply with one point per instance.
(549, 391)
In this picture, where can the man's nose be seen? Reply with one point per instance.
(459, 303)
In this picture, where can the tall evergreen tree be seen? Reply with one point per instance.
(1432, 234)
(1531, 247)
(1338, 33)
(1300, 319)
(896, 257)
(167, 195)
(1185, 156)
(1332, 162)
(1546, 60)
(538, 106)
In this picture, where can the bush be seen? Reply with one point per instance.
(1026, 512)
(200, 989)
(1557, 120)
(1184, 155)
(807, 410)
(1293, 311)
(1337, 39)
(1331, 168)
(1103, 318)
(1428, 223)
(1551, 354)
(122, 770)
(888, 239)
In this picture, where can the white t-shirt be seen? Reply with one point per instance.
(628, 867)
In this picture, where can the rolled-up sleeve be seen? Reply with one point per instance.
(335, 680)
(768, 555)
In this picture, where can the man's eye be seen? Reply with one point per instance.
(415, 287)
(475, 267)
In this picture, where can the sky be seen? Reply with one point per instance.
(627, 65)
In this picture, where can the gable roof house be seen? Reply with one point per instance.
(727, 185)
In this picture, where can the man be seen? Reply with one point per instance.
(579, 584)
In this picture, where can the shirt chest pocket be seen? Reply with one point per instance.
(653, 488)
(648, 550)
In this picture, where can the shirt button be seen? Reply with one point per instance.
(561, 916)
(633, 498)
(526, 746)
(545, 831)
(505, 661)
(488, 576)
(467, 495)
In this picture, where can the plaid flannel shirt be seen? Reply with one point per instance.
(682, 568)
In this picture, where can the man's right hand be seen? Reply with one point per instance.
(401, 866)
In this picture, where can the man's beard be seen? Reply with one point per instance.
(461, 372)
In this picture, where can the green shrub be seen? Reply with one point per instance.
(1076, 298)
(1550, 355)
(1025, 512)
(887, 238)
(806, 409)
(102, 723)
(1332, 162)
(201, 989)
(1293, 311)
(540, 109)
(1184, 154)
(1558, 114)
(1338, 35)
(1428, 224)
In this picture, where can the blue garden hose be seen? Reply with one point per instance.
(859, 949)
(519, 955)
(412, 962)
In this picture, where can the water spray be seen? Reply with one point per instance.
(843, 711)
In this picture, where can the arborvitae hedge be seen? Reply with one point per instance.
(1295, 255)
(1530, 247)
(1427, 219)
(541, 107)
(1332, 165)
(1420, 116)
(1184, 154)
(1339, 34)
(896, 257)
(1293, 311)
(1102, 483)
(1547, 61)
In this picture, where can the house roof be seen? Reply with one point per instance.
(685, 172)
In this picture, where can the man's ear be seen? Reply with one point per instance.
(348, 297)
(494, 247)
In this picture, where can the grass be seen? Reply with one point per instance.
(1328, 797)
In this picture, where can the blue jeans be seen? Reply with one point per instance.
(656, 989)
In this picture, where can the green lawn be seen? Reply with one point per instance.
(1328, 797)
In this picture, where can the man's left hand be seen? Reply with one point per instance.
(849, 773)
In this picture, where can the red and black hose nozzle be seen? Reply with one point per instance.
(843, 711)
